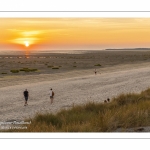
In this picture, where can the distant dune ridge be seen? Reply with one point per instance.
(128, 49)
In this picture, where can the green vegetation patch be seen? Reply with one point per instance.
(3, 73)
(55, 67)
(50, 66)
(28, 70)
(33, 69)
(97, 65)
(14, 71)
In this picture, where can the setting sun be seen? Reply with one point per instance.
(26, 43)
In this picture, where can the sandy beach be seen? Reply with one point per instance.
(72, 86)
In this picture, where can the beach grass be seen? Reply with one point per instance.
(3, 73)
(55, 67)
(14, 71)
(50, 66)
(28, 69)
(97, 65)
(125, 111)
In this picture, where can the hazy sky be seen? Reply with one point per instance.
(73, 33)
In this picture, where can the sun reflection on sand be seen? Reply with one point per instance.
(27, 54)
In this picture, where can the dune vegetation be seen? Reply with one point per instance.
(97, 65)
(14, 71)
(125, 111)
(28, 70)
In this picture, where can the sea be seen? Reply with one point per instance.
(12, 52)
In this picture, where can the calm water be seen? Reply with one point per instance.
(45, 52)
(11, 52)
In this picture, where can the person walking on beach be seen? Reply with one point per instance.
(51, 95)
(95, 71)
(26, 96)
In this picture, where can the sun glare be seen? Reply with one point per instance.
(26, 43)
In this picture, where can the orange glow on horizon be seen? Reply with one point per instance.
(73, 33)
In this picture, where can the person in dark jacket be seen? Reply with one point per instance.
(26, 96)
(51, 95)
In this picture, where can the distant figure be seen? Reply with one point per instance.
(105, 101)
(95, 71)
(51, 95)
(26, 96)
(108, 99)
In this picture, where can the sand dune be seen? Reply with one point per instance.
(70, 88)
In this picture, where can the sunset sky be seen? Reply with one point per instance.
(73, 33)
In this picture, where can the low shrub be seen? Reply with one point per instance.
(50, 66)
(97, 65)
(55, 67)
(33, 70)
(4, 73)
(14, 71)
(28, 70)
(24, 69)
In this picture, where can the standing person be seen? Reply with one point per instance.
(108, 100)
(95, 71)
(51, 95)
(26, 96)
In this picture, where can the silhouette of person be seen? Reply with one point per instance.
(108, 99)
(26, 96)
(105, 101)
